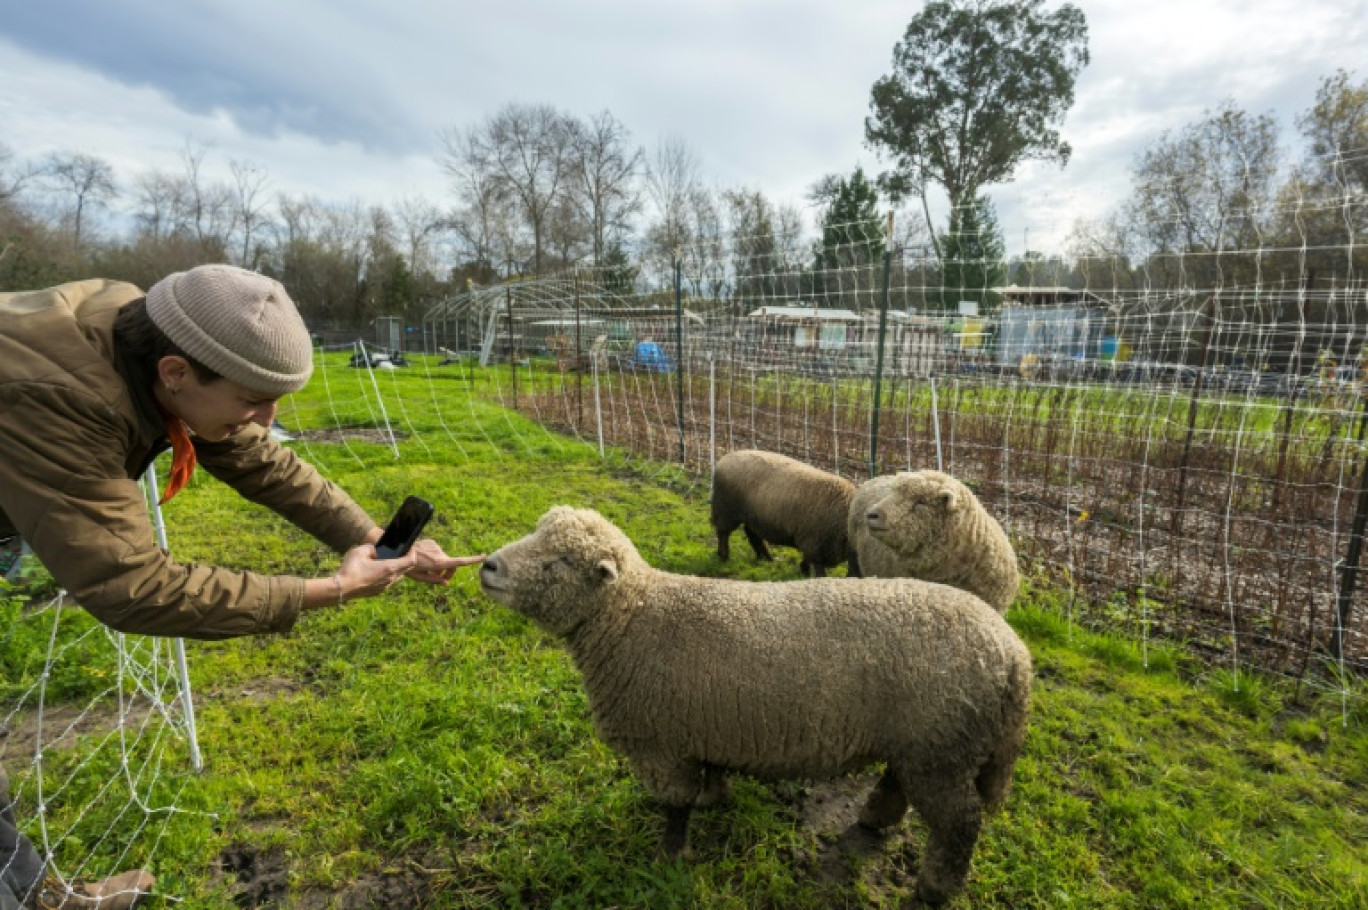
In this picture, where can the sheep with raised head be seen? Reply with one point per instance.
(783, 501)
(928, 525)
(694, 678)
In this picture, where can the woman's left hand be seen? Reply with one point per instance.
(434, 566)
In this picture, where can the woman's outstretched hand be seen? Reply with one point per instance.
(433, 566)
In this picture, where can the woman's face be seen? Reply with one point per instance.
(212, 410)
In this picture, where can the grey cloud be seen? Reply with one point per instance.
(261, 70)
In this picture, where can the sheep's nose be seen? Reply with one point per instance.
(490, 565)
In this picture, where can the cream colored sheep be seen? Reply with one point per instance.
(691, 678)
(775, 498)
(928, 525)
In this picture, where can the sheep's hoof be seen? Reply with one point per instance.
(674, 846)
(682, 855)
(929, 896)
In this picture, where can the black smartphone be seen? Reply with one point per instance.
(403, 530)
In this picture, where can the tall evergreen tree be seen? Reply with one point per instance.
(978, 87)
(851, 231)
(973, 256)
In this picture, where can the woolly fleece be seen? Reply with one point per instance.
(928, 525)
(777, 499)
(691, 678)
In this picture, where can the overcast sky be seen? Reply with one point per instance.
(346, 99)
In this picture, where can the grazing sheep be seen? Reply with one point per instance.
(692, 678)
(928, 525)
(783, 501)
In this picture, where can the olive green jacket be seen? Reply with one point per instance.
(75, 434)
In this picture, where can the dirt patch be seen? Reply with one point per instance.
(262, 880)
(831, 810)
(401, 888)
(62, 725)
(263, 876)
(260, 689)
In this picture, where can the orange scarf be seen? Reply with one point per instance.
(182, 454)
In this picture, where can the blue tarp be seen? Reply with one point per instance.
(650, 356)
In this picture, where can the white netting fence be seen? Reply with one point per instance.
(97, 732)
(1174, 441)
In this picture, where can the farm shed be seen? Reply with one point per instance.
(1050, 325)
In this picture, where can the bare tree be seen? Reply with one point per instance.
(249, 206)
(672, 175)
(568, 239)
(418, 221)
(206, 207)
(704, 263)
(529, 150)
(158, 198)
(1210, 186)
(298, 217)
(481, 220)
(88, 179)
(754, 246)
(12, 177)
(1336, 129)
(1103, 251)
(605, 175)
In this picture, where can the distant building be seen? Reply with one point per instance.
(840, 339)
(804, 327)
(1044, 325)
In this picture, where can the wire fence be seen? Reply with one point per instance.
(1182, 461)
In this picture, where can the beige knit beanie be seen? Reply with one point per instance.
(240, 324)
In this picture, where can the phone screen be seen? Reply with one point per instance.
(403, 530)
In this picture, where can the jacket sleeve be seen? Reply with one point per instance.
(269, 474)
(63, 484)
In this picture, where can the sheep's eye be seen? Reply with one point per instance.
(558, 561)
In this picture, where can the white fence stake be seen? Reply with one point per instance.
(935, 424)
(712, 415)
(384, 415)
(598, 406)
(178, 644)
(835, 424)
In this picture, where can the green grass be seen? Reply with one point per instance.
(434, 744)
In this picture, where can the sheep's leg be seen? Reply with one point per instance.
(886, 804)
(853, 565)
(676, 784)
(716, 788)
(953, 814)
(757, 544)
(724, 545)
(724, 532)
(675, 843)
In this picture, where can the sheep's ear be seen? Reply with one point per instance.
(607, 571)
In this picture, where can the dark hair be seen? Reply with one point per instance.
(143, 345)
